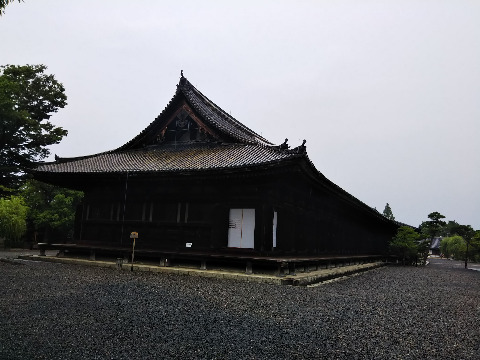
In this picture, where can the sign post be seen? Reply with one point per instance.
(133, 235)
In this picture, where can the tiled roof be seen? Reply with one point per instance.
(170, 158)
(229, 129)
(216, 117)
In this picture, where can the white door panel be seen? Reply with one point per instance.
(241, 228)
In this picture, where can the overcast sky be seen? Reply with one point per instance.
(386, 93)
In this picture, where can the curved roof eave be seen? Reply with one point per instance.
(211, 114)
(323, 181)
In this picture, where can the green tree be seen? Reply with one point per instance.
(475, 246)
(452, 228)
(52, 209)
(28, 98)
(387, 212)
(13, 214)
(453, 246)
(435, 226)
(467, 233)
(405, 245)
(424, 246)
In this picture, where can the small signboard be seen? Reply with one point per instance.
(134, 235)
(188, 245)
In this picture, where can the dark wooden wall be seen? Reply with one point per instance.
(169, 212)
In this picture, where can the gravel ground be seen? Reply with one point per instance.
(56, 311)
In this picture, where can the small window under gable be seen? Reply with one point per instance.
(182, 128)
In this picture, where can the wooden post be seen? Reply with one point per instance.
(165, 262)
(249, 268)
(281, 267)
(291, 268)
(307, 267)
(133, 235)
(133, 254)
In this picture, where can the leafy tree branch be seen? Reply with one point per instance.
(28, 98)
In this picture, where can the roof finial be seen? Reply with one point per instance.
(284, 146)
(302, 149)
(183, 80)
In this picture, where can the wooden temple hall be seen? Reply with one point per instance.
(198, 184)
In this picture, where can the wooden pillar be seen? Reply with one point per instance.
(307, 267)
(291, 268)
(265, 236)
(281, 268)
(249, 268)
(165, 262)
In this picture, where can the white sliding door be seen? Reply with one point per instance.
(241, 228)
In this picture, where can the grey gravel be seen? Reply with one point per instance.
(56, 311)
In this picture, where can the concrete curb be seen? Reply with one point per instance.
(10, 261)
(329, 274)
(300, 279)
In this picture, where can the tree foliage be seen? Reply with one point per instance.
(475, 246)
(465, 231)
(51, 208)
(463, 245)
(28, 98)
(405, 245)
(387, 212)
(424, 246)
(433, 227)
(451, 228)
(4, 3)
(13, 214)
(453, 246)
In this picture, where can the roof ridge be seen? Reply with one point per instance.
(124, 146)
(225, 122)
(186, 86)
